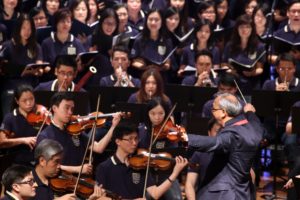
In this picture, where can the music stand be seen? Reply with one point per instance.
(270, 104)
(181, 95)
(200, 95)
(138, 111)
(109, 97)
(81, 100)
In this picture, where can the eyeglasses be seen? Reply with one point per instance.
(294, 11)
(131, 140)
(67, 74)
(30, 182)
(287, 69)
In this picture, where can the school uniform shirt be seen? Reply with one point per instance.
(192, 79)
(152, 51)
(74, 146)
(53, 86)
(236, 146)
(122, 180)
(110, 81)
(139, 25)
(188, 55)
(43, 191)
(247, 84)
(17, 124)
(151, 4)
(9, 196)
(52, 47)
(294, 85)
(288, 34)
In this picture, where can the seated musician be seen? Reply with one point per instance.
(116, 175)
(65, 71)
(48, 155)
(286, 80)
(157, 111)
(18, 136)
(120, 62)
(205, 75)
(18, 183)
(62, 105)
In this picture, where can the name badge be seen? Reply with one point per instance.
(161, 50)
(71, 50)
(1, 37)
(29, 54)
(252, 56)
(136, 177)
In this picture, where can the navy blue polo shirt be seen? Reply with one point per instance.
(203, 159)
(188, 55)
(52, 47)
(74, 146)
(139, 25)
(271, 85)
(121, 179)
(110, 81)
(157, 4)
(43, 191)
(53, 86)
(16, 123)
(288, 34)
(151, 50)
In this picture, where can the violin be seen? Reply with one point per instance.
(38, 116)
(160, 161)
(66, 183)
(172, 132)
(81, 123)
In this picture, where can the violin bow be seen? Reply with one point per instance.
(152, 141)
(91, 138)
(94, 130)
(44, 121)
(148, 164)
(164, 124)
(237, 86)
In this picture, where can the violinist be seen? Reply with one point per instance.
(74, 144)
(116, 175)
(48, 155)
(18, 136)
(157, 111)
(65, 72)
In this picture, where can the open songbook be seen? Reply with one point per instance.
(159, 63)
(282, 45)
(242, 63)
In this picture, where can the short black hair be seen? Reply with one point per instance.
(58, 97)
(203, 52)
(68, 60)
(18, 93)
(227, 79)
(121, 48)
(60, 15)
(125, 127)
(285, 57)
(14, 174)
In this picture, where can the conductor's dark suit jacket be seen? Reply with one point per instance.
(228, 174)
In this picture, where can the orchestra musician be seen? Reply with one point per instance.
(62, 106)
(116, 175)
(48, 155)
(65, 72)
(17, 134)
(19, 183)
(157, 111)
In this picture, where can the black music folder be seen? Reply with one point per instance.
(42, 33)
(282, 45)
(221, 32)
(79, 28)
(10, 26)
(160, 63)
(243, 63)
(295, 120)
(87, 57)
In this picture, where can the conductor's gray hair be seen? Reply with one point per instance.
(230, 104)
